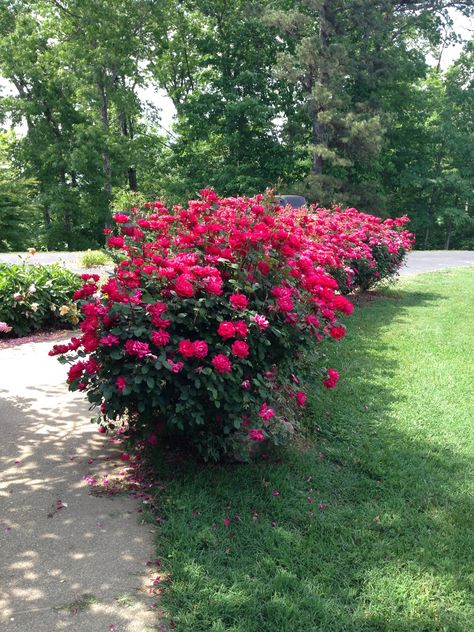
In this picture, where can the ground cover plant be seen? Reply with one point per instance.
(201, 330)
(35, 297)
(365, 526)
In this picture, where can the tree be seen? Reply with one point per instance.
(216, 64)
(429, 169)
(18, 212)
(344, 57)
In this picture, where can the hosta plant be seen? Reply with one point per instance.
(35, 297)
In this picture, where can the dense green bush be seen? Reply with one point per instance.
(36, 297)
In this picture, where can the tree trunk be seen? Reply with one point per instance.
(433, 197)
(320, 132)
(104, 115)
(448, 237)
(132, 179)
(317, 138)
(126, 128)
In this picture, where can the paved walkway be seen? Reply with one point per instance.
(68, 560)
(72, 260)
(432, 260)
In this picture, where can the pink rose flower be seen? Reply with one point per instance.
(265, 412)
(261, 321)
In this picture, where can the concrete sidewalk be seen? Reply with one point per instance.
(68, 560)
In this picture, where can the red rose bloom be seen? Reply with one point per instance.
(109, 340)
(221, 363)
(120, 383)
(121, 218)
(332, 378)
(226, 330)
(241, 328)
(116, 242)
(186, 348)
(240, 349)
(265, 412)
(256, 435)
(200, 349)
(160, 338)
(337, 332)
(239, 301)
(75, 372)
(263, 267)
(301, 398)
(183, 288)
(136, 348)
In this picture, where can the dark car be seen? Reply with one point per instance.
(296, 201)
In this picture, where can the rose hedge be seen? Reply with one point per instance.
(366, 249)
(200, 330)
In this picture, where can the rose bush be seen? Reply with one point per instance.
(365, 248)
(201, 329)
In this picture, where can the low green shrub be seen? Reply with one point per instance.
(34, 297)
(95, 258)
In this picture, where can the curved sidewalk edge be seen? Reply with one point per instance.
(68, 560)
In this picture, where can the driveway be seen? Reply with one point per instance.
(432, 260)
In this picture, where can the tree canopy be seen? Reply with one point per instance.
(332, 99)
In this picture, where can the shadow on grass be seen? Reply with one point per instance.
(366, 529)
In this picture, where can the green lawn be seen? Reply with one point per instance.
(373, 525)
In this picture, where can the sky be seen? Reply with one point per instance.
(463, 26)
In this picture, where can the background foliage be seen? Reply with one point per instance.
(329, 98)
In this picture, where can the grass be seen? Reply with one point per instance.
(372, 528)
(94, 259)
